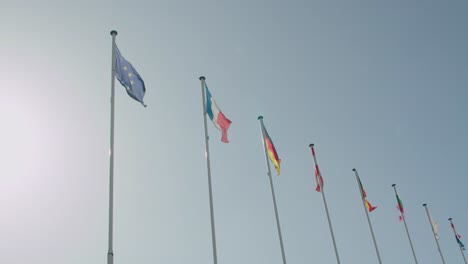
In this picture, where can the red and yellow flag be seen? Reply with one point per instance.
(369, 207)
(271, 150)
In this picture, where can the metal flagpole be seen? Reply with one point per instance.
(434, 233)
(455, 232)
(207, 155)
(325, 203)
(272, 190)
(406, 227)
(367, 215)
(110, 253)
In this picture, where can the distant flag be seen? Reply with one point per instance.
(435, 231)
(219, 120)
(459, 242)
(318, 175)
(369, 207)
(458, 237)
(271, 150)
(435, 226)
(400, 208)
(318, 178)
(129, 77)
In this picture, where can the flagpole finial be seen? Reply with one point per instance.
(424, 205)
(393, 185)
(113, 33)
(450, 219)
(311, 145)
(260, 117)
(354, 169)
(202, 78)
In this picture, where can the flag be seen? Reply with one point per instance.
(129, 77)
(271, 150)
(435, 227)
(318, 175)
(458, 237)
(369, 207)
(219, 120)
(400, 207)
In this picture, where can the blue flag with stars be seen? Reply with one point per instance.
(129, 77)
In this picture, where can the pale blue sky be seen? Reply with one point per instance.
(378, 86)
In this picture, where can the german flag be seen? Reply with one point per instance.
(271, 150)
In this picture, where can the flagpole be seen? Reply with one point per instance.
(208, 167)
(406, 227)
(434, 233)
(325, 204)
(110, 253)
(367, 215)
(283, 255)
(455, 232)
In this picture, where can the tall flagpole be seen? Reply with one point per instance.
(367, 215)
(272, 190)
(434, 233)
(455, 233)
(406, 227)
(110, 253)
(208, 167)
(325, 203)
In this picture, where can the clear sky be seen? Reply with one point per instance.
(380, 86)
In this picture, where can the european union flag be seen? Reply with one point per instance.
(129, 77)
